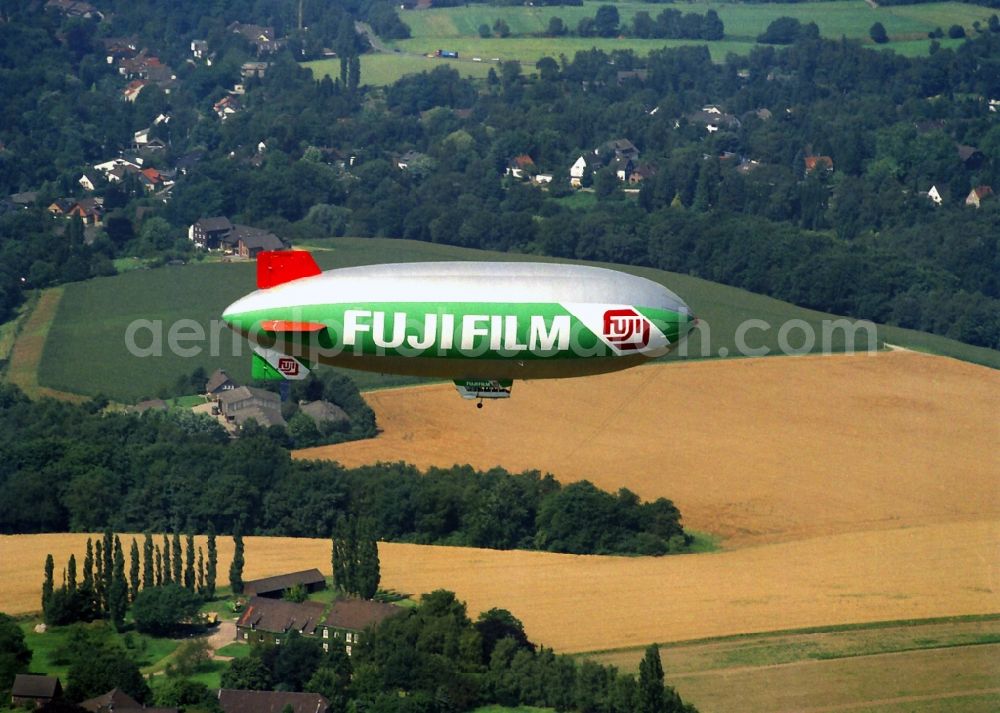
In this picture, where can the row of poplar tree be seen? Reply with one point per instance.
(103, 589)
(356, 566)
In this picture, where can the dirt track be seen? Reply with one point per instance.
(755, 450)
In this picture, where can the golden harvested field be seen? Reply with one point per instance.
(754, 450)
(577, 603)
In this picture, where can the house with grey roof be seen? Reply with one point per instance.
(235, 701)
(243, 403)
(272, 620)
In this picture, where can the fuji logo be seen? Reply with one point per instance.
(288, 366)
(626, 329)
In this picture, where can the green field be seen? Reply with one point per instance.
(86, 353)
(927, 666)
(457, 29)
(836, 18)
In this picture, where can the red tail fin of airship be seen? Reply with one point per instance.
(276, 267)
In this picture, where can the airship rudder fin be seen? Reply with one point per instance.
(272, 365)
(276, 267)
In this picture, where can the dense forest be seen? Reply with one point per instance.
(83, 469)
(808, 181)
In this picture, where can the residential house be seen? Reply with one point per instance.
(254, 69)
(970, 156)
(312, 580)
(227, 106)
(118, 48)
(713, 119)
(617, 148)
(23, 200)
(61, 206)
(818, 163)
(117, 701)
(542, 178)
(74, 8)
(108, 168)
(188, 161)
(581, 167)
(977, 195)
(132, 90)
(243, 403)
(233, 701)
(249, 242)
(517, 166)
(89, 210)
(260, 36)
(323, 412)
(31, 689)
(89, 181)
(622, 168)
(935, 195)
(407, 159)
(641, 173)
(348, 619)
(218, 382)
(632, 76)
(150, 179)
(272, 620)
(199, 49)
(208, 233)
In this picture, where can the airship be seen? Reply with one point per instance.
(480, 324)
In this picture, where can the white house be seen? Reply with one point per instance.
(935, 195)
(577, 171)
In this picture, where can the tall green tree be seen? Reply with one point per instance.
(99, 591)
(88, 566)
(236, 567)
(651, 692)
(189, 562)
(159, 567)
(133, 570)
(201, 572)
(369, 573)
(47, 584)
(213, 563)
(118, 588)
(148, 565)
(71, 573)
(177, 562)
(167, 565)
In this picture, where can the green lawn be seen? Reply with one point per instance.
(86, 353)
(147, 651)
(235, 650)
(517, 709)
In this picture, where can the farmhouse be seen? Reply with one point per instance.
(323, 412)
(207, 233)
(312, 580)
(117, 701)
(246, 402)
(349, 618)
(274, 619)
(233, 701)
(30, 689)
(248, 242)
(218, 382)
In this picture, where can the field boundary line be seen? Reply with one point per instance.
(832, 629)
(26, 355)
(899, 699)
(814, 662)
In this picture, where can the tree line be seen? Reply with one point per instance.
(156, 474)
(103, 588)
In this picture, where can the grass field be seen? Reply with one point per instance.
(795, 669)
(28, 349)
(457, 29)
(835, 19)
(85, 349)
